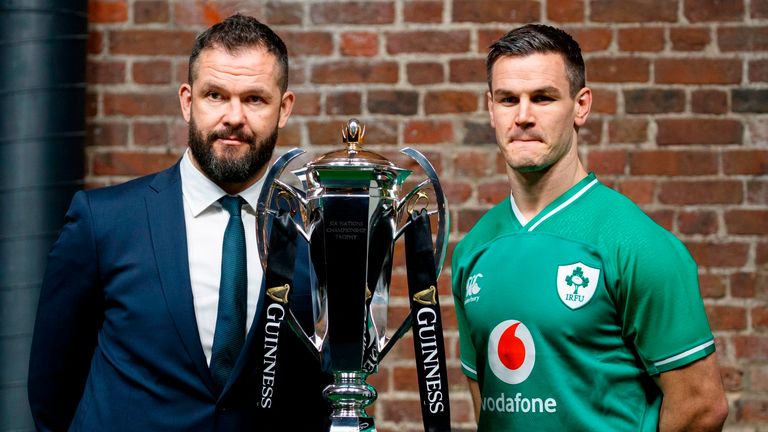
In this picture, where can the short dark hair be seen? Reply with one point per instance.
(540, 39)
(241, 31)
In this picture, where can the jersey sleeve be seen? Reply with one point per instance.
(659, 299)
(466, 346)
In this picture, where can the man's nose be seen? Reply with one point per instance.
(524, 115)
(235, 116)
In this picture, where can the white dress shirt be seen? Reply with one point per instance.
(205, 222)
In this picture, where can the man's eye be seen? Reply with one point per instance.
(254, 99)
(508, 100)
(214, 96)
(542, 98)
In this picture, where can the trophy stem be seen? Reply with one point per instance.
(349, 395)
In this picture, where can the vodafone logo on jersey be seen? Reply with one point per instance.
(511, 352)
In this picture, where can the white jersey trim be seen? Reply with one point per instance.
(685, 354)
(465, 366)
(563, 205)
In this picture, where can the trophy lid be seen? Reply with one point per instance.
(354, 155)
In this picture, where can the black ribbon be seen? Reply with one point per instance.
(278, 277)
(427, 324)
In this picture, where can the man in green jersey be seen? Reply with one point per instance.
(576, 311)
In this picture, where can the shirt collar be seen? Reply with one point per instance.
(201, 192)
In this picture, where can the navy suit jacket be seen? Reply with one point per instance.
(116, 346)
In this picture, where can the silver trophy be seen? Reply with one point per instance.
(350, 208)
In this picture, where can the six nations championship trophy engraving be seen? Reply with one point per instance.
(348, 206)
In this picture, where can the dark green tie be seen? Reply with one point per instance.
(229, 336)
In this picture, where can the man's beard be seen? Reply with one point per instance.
(230, 168)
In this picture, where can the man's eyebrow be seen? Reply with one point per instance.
(548, 90)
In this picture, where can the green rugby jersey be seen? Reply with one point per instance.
(564, 320)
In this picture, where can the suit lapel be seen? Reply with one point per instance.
(165, 209)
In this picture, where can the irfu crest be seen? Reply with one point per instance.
(576, 284)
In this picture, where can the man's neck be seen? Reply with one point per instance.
(533, 191)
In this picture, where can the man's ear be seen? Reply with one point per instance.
(185, 100)
(489, 100)
(286, 106)
(582, 106)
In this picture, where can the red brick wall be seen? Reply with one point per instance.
(679, 124)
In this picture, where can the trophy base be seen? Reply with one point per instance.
(349, 395)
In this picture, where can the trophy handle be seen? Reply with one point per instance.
(443, 222)
(267, 198)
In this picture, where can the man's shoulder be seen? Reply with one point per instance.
(495, 222)
(138, 186)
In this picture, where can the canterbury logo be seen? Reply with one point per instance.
(473, 288)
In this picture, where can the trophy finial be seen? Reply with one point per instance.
(353, 134)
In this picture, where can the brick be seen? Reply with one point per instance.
(179, 134)
(758, 378)
(150, 134)
(728, 254)
(289, 136)
(151, 42)
(145, 12)
(493, 192)
(759, 9)
(652, 101)
(467, 217)
(205, 13)
(428, 132)
(711, 286)
(643, 39)
(131, 164)
(105, 72)
(376, 132)
(713, 10)
(473, 163)
(761, 257)
(467, 71)
(349, 72)
(604, 162)
(689, 38)
(456, 192)
(757, 192)
(592, 39)
(745, 162)
(107, 134)
(760, 319)
(478, 133)
(632, 11)
(697, 222)
(423, 11)
(732, 378)
(359, 44)
(427, 41)
(448, 101)
(284, 13)
(743, 285)
(698, 71)
(344, 103)
(504, 11)
(758, 71)
(140, 104)
(727, 317)
(628, 130)
(709, 102)
(356, 12)
(603, 101)
(107, 11)
(672, 162)
(95, 42)
(749, 100)
(393, 102)
(751, 347)
(743, 38)
(701, 192)
(618, 69)
(565, 10)
(639, 191)
(91, 105)
(748, 410)
(307, 104)
(591, 133)
(757, 127)
(309, 43)
(421, 73)
(750, 222)
(152, 72)
(695, 131)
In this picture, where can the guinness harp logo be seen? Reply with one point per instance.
(427, 296)
(279, 293)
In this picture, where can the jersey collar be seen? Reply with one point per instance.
(563, 201)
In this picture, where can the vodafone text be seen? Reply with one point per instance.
(519, 404)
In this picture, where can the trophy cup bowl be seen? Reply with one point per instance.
(349, 206)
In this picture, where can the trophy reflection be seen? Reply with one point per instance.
(349, 206)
